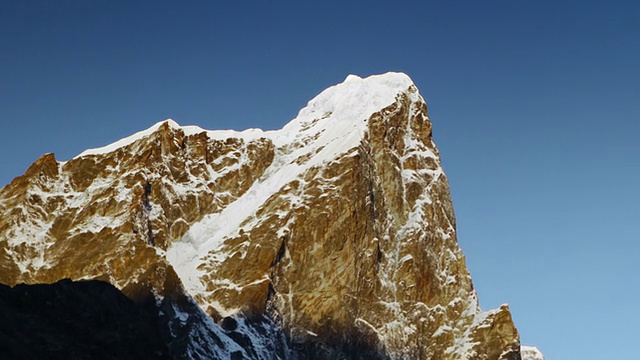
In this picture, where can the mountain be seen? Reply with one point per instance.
(333, 237)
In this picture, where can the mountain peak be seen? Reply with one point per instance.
(337, 231)
(168, 123)
(401, 79)
(357, 98)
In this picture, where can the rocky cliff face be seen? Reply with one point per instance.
(337, 230)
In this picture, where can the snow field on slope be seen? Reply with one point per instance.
(330, 125)
(531, 353)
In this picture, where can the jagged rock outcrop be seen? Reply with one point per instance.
(339, 228)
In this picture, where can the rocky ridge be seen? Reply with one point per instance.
(336, 233)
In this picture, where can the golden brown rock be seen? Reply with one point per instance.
(340, 226)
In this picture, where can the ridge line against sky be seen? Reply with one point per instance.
(533, 104)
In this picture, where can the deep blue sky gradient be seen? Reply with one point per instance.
(534, 106)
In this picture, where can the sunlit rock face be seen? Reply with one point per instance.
(339, 228)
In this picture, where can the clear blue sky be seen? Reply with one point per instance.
(534, 106)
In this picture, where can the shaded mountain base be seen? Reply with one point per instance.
(94, 320)
(77, 320)
(191, 334)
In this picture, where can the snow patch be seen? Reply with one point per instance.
(129, 140)
(531, 353)
(333, 123)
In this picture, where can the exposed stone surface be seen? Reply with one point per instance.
(338, 228)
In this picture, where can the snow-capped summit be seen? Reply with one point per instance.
(130, 139)
(333, 236)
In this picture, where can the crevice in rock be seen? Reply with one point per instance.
(147, 210)
(281, 251)
(271, 292)
(372, 198)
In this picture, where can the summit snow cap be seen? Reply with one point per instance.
(345, 106)
(356, 98)
(129, 139)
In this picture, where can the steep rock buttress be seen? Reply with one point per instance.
(339, 228)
